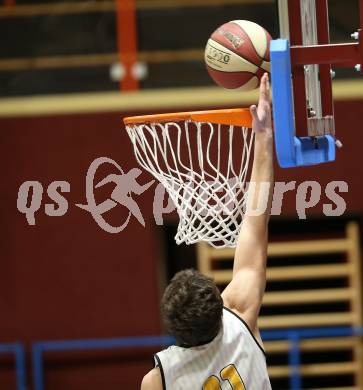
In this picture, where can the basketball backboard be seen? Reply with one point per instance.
(301, 72)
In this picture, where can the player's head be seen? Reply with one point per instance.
(192, 308)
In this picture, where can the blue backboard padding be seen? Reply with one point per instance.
(309, 152)
(292, 151)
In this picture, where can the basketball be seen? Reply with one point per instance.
(238, 54)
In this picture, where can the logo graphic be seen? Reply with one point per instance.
(125, 185)
(233, 38)
(34, 196)
(215, 55)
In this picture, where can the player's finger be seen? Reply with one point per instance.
(266, 93)
(253, 111)
(264, 88)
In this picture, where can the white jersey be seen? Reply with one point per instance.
(232, 360)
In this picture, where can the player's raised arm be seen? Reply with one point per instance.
(245, 291)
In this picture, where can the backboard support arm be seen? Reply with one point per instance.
(309, 108)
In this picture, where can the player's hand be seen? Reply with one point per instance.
(261, 115)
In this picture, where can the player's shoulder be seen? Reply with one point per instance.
(152, 380)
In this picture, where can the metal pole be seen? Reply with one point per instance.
(283, 8)
(127, 41)
(20, 367)
(294, 361)
(38, 374)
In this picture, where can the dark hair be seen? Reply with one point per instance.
(192, 308)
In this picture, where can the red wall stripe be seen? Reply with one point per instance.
(127, 41)
(9, 3)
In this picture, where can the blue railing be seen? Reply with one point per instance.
(17, 350)
(83, 345)
(294, 336)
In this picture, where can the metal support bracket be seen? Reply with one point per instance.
(292, 151)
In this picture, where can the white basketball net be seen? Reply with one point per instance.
(203, 167)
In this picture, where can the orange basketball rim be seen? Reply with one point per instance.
(234, 116)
